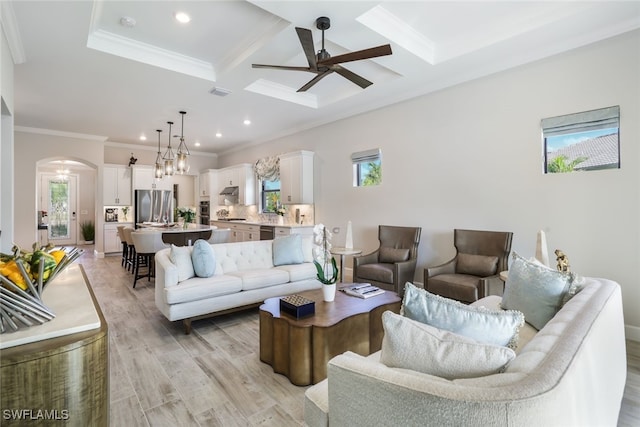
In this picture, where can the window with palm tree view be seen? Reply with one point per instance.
(583, 141)
(367, 168)
(270, 196)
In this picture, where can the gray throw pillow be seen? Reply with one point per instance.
(497, 327)
(535, 290)
(391, 255)
(288, 250)
(476, 265)
(413, 345)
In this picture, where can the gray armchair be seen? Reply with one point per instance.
(393, 263)
(474, 272)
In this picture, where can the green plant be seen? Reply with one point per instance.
(559, 164)
(88, 230)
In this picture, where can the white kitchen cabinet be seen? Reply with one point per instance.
(112, 242)
(144, 179)
(296, 178)
(116, 190)
(241, 176)
(288, 231)
(240, 232)
(208, 182)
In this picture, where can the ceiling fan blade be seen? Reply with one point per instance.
(306, 40)
(314, 80)
(358, 55)
(282, 67)
(350, 75)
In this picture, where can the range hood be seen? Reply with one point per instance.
(229, 191)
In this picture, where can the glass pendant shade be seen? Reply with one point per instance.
(169, 157)
(159, 166)
(182, 159)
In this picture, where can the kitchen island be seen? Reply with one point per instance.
(243, 230)
(178, 234)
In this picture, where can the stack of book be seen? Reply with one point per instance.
(362, 290)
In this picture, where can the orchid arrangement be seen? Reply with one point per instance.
(322, 258)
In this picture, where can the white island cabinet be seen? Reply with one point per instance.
(296, 178)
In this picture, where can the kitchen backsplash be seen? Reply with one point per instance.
(251, 214)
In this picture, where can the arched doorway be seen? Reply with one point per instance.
(65, 201)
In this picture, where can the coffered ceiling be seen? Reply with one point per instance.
(119, 70)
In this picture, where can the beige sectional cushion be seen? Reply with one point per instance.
(476, 265)
(409, 344)
(261, 278)
(198, 288)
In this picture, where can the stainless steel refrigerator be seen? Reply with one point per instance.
(153, 206)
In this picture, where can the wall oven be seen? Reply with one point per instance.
(204, 212)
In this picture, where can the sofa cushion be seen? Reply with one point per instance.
(261, 278)
(476, 265)
(391, 255)
(204, 262)
(299, 272)
(417, 346)
(535, 290)
(497, 327)
(287, 250)
(181, 257)
(198, 288)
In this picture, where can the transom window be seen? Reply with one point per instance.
(582, 141)
(367, 168)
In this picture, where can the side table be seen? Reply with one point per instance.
(343, 252)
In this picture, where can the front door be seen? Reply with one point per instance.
(59, 201)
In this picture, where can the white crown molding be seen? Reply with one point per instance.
(52, 132)
(12, 32)
(125, 47)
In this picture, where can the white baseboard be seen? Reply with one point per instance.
(632, 332)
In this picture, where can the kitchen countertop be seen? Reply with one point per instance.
(248, 222)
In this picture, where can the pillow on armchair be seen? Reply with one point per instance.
(476, 265)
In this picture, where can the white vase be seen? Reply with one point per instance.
(280, 220)
(329, 292)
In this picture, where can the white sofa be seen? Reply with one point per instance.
(244, 276)
(571, 373)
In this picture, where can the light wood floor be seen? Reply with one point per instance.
(213, 377)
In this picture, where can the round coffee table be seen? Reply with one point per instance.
(301, 348)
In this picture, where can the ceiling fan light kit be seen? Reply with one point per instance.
(323, 64)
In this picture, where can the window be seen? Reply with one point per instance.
(270, 195)
(367, 168)
(582, 141)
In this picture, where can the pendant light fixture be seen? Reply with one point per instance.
(169, 158)
(182, 159)
(159, 167)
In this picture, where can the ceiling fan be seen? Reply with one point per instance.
(324, 64)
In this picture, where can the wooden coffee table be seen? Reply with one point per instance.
(301, 348)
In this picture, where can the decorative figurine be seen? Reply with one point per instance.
(563, 261)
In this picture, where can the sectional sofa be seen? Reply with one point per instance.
(572, 372)
(245, 274)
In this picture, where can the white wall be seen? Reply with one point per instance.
(471, 157)
(6, 145)
(31, 148)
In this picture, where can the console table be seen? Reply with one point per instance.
(60, 380)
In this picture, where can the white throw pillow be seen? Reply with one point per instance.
(181, 257)
(419, 347)
(497, 327)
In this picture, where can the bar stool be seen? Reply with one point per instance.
(124, 244)
(131, 249)
(144, 243)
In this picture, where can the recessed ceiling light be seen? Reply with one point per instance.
(182, 17)
(218, 135)
(143, 138)
(247, 122)
(197, 144)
